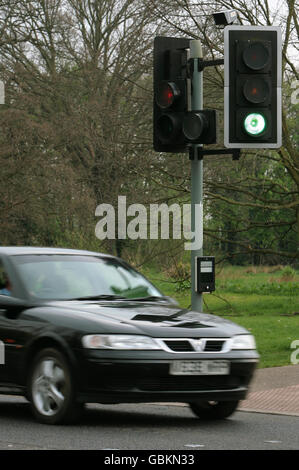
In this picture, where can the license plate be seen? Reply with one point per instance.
(215, 367)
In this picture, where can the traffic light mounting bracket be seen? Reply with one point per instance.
(198, 153)
(202, 64)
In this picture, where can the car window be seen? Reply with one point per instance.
(5, 284)
(70, 276)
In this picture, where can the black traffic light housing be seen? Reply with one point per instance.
(175, 126)
(200, 126)
(170, 93)
(252, 87)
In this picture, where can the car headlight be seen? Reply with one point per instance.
(243, 342)
(119, 342)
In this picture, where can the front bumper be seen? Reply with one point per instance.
(147, 379)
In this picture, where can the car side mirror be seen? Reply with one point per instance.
(12, 304)
(171, 300)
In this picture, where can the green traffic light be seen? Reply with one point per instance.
(254, 124)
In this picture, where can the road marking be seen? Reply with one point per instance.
(194, 445)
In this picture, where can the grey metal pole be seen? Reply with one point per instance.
(196, 169)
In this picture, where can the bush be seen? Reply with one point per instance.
(263, 288)
(180, 272)
(288, 273)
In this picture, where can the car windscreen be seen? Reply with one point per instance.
(66, 277)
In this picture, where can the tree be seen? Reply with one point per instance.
(76, 127)
(252, 207)
(79, 72)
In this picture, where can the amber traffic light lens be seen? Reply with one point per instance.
(256, 90)
(165, 127)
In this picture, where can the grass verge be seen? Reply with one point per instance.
(264, 300)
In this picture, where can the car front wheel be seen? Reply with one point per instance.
(212, 410)
(50, 388)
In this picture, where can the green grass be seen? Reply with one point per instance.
(274, 335)
(264, 300)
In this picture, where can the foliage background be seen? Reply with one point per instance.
(76, 130)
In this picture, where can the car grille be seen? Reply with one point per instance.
(195, 345)
(177, 345)
(214, 346)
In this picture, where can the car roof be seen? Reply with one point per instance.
(32, 250)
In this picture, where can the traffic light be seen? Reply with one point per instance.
(252, 87)
(175, 126)
(170, 93)
(200, 126)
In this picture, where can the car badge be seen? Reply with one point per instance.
(198, 344)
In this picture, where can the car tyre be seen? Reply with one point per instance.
(213, 410)
(51, 389)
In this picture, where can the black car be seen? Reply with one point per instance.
(81, 327)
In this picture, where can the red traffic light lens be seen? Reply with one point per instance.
(256, 56)
(256, 90)
(166, 95)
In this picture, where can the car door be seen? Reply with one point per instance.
(10, 333)
(8, 345)
(4, 324)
